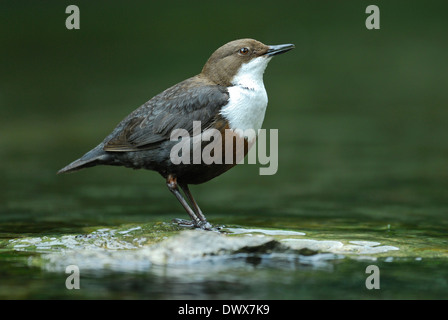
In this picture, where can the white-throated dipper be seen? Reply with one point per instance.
(228, 94)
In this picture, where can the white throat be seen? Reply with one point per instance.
(247, 97)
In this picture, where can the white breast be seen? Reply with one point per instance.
(248, 98)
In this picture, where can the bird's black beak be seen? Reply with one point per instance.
(278, 49)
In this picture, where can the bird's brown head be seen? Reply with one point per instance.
(227, 60)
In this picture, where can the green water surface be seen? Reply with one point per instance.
(363, 153)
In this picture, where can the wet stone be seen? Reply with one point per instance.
(139, 248)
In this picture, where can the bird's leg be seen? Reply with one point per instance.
(197, 210)
(171, 182)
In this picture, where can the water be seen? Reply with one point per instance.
(362, 147)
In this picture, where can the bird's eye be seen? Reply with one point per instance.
(244, 51)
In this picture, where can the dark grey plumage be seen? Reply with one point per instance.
(194, 99)
(142, 139)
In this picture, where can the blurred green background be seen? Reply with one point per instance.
(362, 114)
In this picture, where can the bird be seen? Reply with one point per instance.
(228, 95)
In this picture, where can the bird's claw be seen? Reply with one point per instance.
(203, 225)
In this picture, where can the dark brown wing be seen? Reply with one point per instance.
(175, 108)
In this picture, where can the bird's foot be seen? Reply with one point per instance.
(184, 223)
(204, 225)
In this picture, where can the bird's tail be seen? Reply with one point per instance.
(92, 158)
